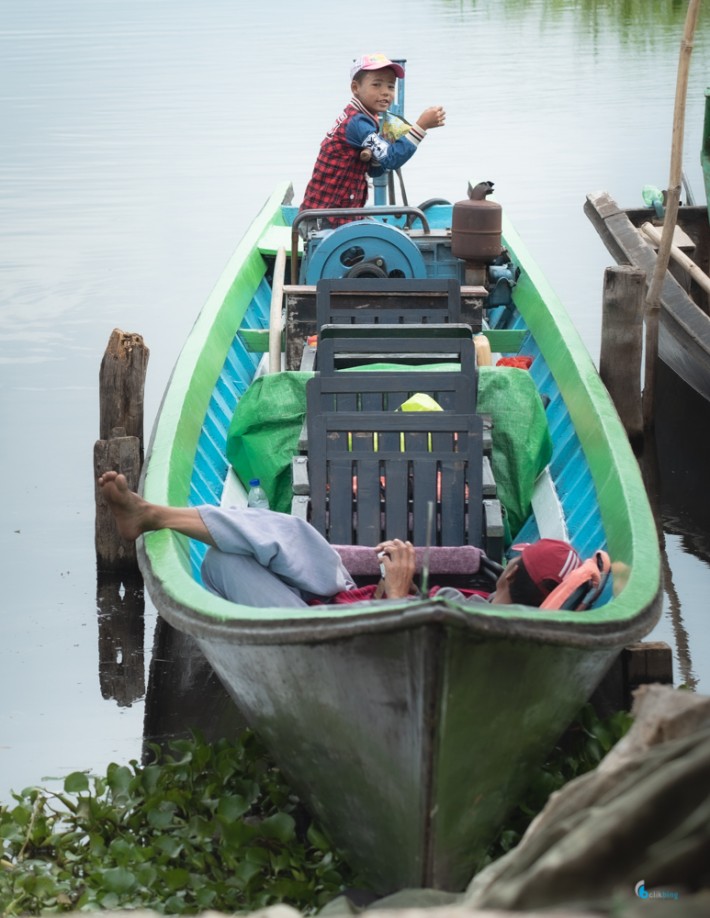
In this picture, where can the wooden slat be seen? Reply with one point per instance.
(341, 346)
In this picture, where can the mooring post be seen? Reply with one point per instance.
(120, 447)
(622, 343)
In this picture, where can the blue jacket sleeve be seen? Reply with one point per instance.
(385, 155)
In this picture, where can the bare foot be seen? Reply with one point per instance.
(132, 513)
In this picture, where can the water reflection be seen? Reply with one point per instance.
(120, 605)
(184, 694)
(675, 465)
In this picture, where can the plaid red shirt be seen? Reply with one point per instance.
(339, 176)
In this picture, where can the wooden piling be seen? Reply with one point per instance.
(121, 385)
(641, 663)
(622, 343)
(120, 447)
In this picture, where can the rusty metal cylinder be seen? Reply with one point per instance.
(476, 228)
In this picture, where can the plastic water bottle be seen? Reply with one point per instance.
(257, 496)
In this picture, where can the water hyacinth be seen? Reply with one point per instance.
(210, 826)
(203, 826)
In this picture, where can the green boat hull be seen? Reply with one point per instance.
(409, 728)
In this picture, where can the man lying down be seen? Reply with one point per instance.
(260, 557)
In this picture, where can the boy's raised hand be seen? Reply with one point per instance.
(432, 117)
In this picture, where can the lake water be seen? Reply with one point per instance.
(138, 140)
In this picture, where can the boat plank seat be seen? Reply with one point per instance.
(375, 475)
(344, 346)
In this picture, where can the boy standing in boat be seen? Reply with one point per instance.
(354, 148)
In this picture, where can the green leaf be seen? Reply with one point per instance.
(118, 879)
(76, 782)
(280, 826)
(123, 852)
(146, 875)
(317, 839)
(176, 878)
(232, 807)
(162, 816)
(246, 871)
(119, 779)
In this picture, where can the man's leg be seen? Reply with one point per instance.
(135, 516)
(243, 580)
(287, 546)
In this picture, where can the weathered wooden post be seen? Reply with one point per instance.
(119, 587)
(120, 447)
(622, 343)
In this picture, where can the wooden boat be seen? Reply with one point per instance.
(408, 727)
(631, 236)
(684, 327)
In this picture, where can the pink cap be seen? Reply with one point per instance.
(375, 62)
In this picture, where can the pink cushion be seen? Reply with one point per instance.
(361, 560)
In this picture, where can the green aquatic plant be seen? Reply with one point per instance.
(210, 826)
(201, 827)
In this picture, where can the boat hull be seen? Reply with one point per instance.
(409, 727)
(410, 746)
(684, 325)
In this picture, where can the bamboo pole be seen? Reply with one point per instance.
(653, 299)
(677, 254)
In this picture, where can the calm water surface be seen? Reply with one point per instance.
(138, 140)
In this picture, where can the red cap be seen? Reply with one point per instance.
(548, 561)
(375, 62)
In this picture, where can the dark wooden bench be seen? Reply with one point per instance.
(377, 475)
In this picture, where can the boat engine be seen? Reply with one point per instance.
(476, 238)
(363, 248)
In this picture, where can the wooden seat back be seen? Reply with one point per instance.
(351, 300)
(380, 475)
